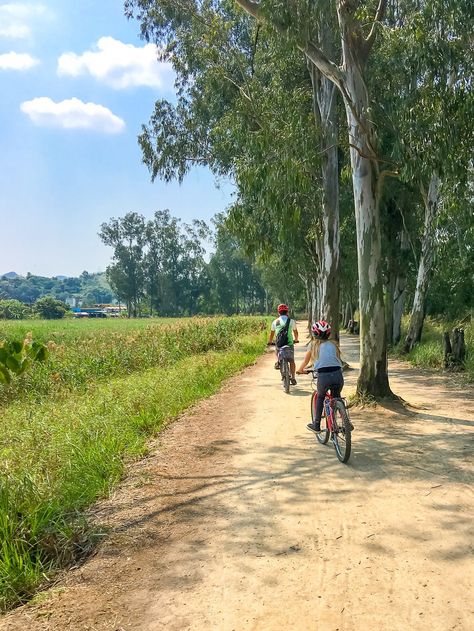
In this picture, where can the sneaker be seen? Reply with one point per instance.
(277, 366)
(314, 427)
(293, 381)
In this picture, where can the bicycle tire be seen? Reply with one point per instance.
(323, 435)
(341, 436)
(286, 376)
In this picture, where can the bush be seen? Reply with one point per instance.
(50, 309)
(13, 310)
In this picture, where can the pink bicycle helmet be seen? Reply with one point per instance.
(321, 329)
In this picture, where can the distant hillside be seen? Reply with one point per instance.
(87, 289)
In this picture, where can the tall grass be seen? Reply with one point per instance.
(61, 454)
(85, 352)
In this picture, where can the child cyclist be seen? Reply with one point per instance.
(325, 356)
(289, 349)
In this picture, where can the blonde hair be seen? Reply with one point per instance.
(316, 345)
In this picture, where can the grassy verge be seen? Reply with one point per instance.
(429, 353)
(58, 457)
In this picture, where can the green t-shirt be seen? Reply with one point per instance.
(278, 325)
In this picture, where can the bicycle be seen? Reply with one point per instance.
(335, 419)
(284, 366)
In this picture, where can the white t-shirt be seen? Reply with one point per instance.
(283, 320)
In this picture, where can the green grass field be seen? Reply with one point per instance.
(70, 425)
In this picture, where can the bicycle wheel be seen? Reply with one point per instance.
(286, 376)
(341, 431)
(323, 435)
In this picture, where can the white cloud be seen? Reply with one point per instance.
(119, 65)
(16, 19)
(72, 114)
(15, 31)
(17, 61)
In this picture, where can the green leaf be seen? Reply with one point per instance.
(41, 354)
(16, 346)
(25, 364)
(4, 375)
(13, 364)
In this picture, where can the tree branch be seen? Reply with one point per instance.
(329, 69)
(252, 8)
(370, 39)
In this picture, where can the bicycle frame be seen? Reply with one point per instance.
(337, 431)
(327, 403)
(284, 370)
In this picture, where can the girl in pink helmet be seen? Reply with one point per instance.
(325, 356)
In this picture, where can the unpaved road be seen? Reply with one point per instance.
(239, 520)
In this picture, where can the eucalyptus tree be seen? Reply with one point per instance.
(161, 261)
(235, 280)
(355, 42)
(174, 264)
(245, 108)
(427, 103)
(452, 286)
(126, 236)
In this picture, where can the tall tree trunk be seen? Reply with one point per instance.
(314, 301)
(400, 288)
(373, 377)
(325, 113)
(431, 202)
(389, 303)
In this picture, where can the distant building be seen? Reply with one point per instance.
(73, 301)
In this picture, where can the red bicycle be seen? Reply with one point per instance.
(335, 422)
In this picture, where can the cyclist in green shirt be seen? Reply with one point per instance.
(289, 349)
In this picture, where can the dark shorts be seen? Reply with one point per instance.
(332, 380)
(287, 352)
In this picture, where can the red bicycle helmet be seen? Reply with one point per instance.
(283, 308)
(321, 329)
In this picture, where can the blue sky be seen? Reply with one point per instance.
(77, 83)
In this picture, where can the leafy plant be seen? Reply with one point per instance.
(50, 308)
(12, 309)
(17, 357)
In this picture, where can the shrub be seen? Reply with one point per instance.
(50, 308)
(13, 310)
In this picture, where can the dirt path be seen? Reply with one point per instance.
(240, 521)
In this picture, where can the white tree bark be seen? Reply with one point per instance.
(431, 200)
(373, 377)
(328, 244)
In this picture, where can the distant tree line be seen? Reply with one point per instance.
(160, 267)
(88, 289)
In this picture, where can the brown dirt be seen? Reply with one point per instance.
(239, 520)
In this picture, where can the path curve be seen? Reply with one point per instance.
(239, 520)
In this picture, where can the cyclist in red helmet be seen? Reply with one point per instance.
(289, 349)
(325, 356)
